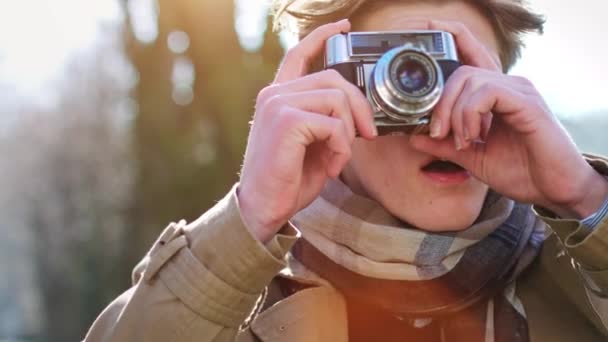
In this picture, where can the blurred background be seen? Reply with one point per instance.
(119, 116)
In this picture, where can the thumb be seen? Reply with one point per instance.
(444, 148)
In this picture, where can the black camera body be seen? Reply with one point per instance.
(402, 73)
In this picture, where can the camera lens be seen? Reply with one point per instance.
(413, 73)
(412, 77)
(406, 83)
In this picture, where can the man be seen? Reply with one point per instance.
(403, 240)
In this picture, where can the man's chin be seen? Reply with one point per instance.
(445, 214)
(449, 226)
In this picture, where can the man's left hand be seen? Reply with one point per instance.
(499, 128)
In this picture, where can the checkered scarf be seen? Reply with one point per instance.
(366, 252)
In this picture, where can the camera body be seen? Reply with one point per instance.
(402, 73)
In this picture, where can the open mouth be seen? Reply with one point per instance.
(442, 166)
(445, 172)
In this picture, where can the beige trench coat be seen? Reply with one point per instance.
(203, 282)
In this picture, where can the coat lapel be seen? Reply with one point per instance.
(312, 315)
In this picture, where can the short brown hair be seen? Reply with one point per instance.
(509, 18)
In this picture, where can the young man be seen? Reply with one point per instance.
(405, 238)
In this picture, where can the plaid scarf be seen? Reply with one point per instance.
(464, 280)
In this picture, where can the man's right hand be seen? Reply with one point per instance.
(302, 132)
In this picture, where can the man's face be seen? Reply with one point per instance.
(389, 169)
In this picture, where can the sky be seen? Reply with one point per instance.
(568, 64)
(38, 37)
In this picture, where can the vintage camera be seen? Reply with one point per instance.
(402, 73)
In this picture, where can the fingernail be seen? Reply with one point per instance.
(343, 21)
(375, 130)
(457, 143)
(435, 128)
(467, 136)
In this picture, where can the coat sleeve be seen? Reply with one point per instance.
(588, 250)
(199, 282)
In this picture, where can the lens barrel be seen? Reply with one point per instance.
(406, 83)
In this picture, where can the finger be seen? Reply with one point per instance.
(471, 159)
(445, 149)
(523, 84)
(472, 50)
(362, 112)
(441, 116)
(472, 124)
(332, 102)
(464, 116)
(456, 122)
(501, 100)
(336, 164)
(297, 60)
(486, 124)
(309, 128)
(465, 78)
(333, 132)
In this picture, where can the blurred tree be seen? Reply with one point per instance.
(71, 173)
(189, 155)
(92, 187)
